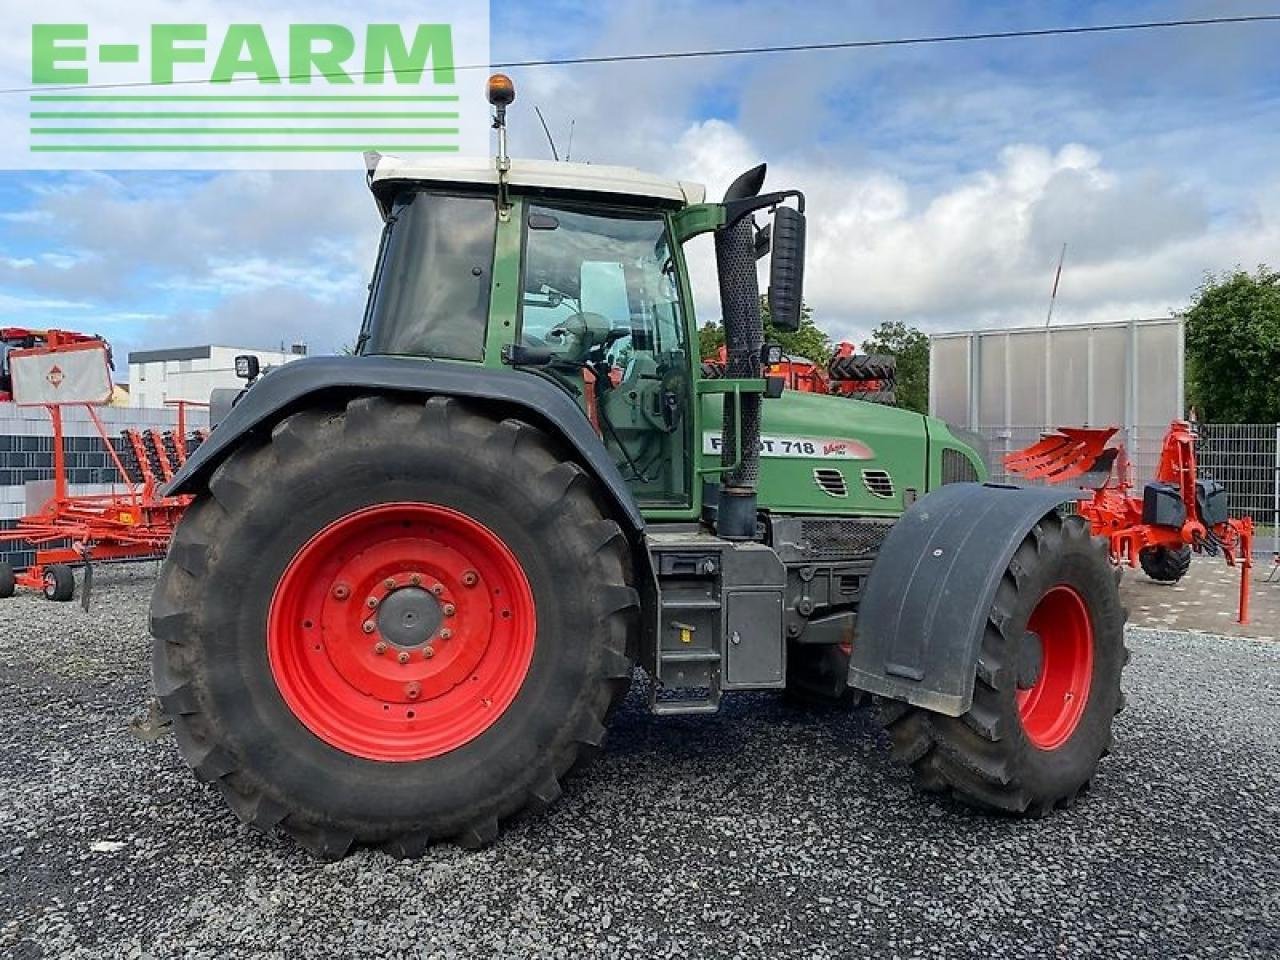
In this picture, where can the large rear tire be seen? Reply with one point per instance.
(1047, 687)
(393, 623)
(1164, 565)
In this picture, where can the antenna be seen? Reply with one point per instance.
(1056, 277)
(568, 154)
(547, 131)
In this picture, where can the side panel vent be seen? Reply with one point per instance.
(831, 482)
(957, 468)
(830, 539)
(879, 483)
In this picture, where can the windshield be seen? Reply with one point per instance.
(430, 295)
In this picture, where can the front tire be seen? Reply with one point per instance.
(1047, 686)
(393, 623)
(8, 580)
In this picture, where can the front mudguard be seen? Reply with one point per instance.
(931, 589)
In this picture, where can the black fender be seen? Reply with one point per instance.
(931, 588)
(294, 385)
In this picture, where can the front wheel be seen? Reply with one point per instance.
(393, 623)
(8, 580)
(1047, 686)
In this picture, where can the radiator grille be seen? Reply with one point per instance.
(957, 468)
(839, 539)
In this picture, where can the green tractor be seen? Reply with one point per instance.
(414, 583)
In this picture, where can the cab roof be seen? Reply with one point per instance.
(535, 176)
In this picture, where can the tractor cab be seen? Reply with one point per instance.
(570, 272)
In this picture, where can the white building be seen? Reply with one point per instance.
(192, 373)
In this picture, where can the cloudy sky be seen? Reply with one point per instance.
(942, 180)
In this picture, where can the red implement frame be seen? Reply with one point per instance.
(805, 376)
(78, 529)
(1070, 453)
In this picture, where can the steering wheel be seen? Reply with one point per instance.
(580, 332)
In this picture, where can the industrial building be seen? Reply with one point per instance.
(192, 373)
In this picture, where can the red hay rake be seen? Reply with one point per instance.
(78, 530)
(1176, 510)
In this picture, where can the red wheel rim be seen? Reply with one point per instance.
(401, 631)
(1052, 708)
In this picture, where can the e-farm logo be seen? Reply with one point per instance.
(192, 92)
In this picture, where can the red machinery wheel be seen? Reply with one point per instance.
(1047, 687)
(401, 632)
(1051, 709)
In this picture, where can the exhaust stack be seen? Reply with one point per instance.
(744, 339)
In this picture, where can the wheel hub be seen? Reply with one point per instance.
(409, 617)
(401, 632)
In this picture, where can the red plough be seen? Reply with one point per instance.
(71, 530)
(1177, 512)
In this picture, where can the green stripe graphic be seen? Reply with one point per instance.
(241, 115)
(241, 98)
(230, 148)
(217, 131)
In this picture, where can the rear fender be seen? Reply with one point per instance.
(296, 385)
(926, 601)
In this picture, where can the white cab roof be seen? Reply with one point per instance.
(538, 174)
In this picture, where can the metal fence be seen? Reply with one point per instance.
(1243, 457)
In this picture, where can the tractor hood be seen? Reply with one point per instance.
(827, 454)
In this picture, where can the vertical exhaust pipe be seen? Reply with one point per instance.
(744, 339)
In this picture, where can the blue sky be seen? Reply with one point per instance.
(943, 180)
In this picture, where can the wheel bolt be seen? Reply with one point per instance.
(416, 579)
(371, 603)
(368, 626)
(469, 579)
(389, 583)
(341, 592)
(403, 657)
(448, 610)
(379, 648)
(445, 634)
(412, 691)
(438, 589)
(428, 653)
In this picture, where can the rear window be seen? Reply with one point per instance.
(430, 295)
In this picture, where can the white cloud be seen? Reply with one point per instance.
(982, 251)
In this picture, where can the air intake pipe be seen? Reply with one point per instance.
(744, 339)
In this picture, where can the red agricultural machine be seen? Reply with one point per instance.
(20, 338)
(60, 370)
(867, 377)
(1177, 513)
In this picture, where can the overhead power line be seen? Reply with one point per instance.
(734, 51)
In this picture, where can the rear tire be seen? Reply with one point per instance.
(247, 619)
(1043, 705)
(8, 580)
(59, 583)
(1165, 565)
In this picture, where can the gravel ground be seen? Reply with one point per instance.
(768, 830)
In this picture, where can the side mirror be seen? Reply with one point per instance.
(786, 270)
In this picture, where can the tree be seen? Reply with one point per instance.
(911, 347)
(808, 342)
(1233, 347)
